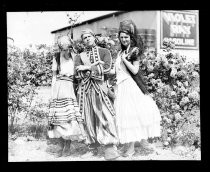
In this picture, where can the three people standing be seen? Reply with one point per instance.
(134, 116)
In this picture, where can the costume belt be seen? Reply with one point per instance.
(65, 77)
(85, 85)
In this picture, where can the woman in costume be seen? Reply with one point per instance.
(65, 120)
(137, 115)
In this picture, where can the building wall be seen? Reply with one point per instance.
(142, 19)
(145, 21)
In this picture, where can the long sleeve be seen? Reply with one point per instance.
(98, 71)
(77, 62)
(107, 59)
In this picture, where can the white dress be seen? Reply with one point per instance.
(137, 115)
(64, 111)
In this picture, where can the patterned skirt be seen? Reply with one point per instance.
(64, 116)
(100, 123)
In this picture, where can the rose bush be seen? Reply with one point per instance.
(27, 70)
(172, 81)
(174, 84)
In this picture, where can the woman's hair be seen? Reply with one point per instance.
(128, 27)
(62, 40)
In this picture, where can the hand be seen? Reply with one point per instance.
(96, 63)
(82, 68)
(124, 55)
(135, 50)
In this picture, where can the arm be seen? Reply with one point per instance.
(113, 70)
(134, 68)
(78, 67)
(107, 59)
(54, 70)
(104, 66)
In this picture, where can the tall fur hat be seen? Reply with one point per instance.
(127, 26)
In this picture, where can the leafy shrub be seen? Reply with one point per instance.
(173, 83)
(27, 70)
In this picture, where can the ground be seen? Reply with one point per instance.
(30, 149)
(24, 149)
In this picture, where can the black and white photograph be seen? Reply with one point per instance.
(103, 85)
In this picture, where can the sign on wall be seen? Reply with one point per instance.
(180, 27)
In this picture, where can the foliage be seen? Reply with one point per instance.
(172, 81)
(26, 71)
(174, 84)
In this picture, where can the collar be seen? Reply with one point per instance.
(90, 48)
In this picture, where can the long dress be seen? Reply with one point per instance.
(94, 103)
(137, 115)
(64, 113)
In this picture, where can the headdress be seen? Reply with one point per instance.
(127, 26)
(87, 31)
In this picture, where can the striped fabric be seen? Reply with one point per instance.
(63, 77)
(63, 111)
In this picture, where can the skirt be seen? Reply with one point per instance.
(64, 116)
(137, 115)
(99, 121)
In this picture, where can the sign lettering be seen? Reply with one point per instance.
(180, 27)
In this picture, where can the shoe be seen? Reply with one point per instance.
(87, 155)
(66, 149)
(59, 154)
(122, 149)
(111, 154)
(128, 154)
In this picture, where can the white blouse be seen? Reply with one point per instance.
(121, 70)
(66, 66)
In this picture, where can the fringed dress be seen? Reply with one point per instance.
(137, 115)
(64, 116)
(94, 103)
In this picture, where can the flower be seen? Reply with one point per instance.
(183, 90)
(186, 84)
(111, 42)
(194, 95)
(173, 93)
(176, 107)
(173, 72)
(150, 68)
(151, 75)
(179, 83)
(153, 81)
(159, 90)
(195, 74)
(181, 73)
(184, 101)
(177, 116)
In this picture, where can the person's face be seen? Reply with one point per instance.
(88, 39)
(125, 39)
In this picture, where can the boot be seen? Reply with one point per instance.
(62, 145)
(130, 151)
(66, 150)
(110, 153)
(123, 148)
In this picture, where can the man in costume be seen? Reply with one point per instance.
(97, 110)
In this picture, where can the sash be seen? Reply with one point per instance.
(89, 79)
